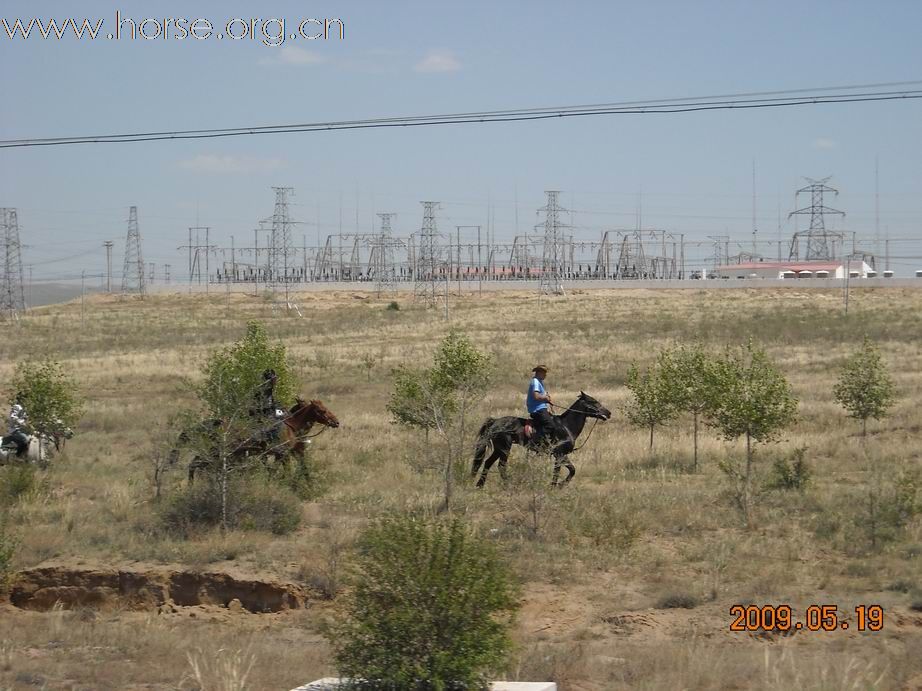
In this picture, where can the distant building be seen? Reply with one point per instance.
(794, 269)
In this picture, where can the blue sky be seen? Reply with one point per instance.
(692, 173)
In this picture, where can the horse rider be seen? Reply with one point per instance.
(17, 424)
(537, 402)
(265, 406)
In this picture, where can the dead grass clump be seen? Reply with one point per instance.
(678, 600)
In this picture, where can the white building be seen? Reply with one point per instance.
(795, 269)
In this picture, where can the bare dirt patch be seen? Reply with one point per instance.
(148, 588)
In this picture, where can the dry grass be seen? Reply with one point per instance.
(628, 533)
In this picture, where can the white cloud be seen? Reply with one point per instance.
(215, 163)
(438, 61)
(292, 55)
(824, 143)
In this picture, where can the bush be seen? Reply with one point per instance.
(791, 472)
(49, 395)
(608, 524)
(678, 600)
(865, 388)
(305, 477)
(17, 481)
(252, 504)
(392, 306)
(8, 545)
(234, 374)
(426, 610)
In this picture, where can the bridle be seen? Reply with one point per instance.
(595, 421)
(324, 426)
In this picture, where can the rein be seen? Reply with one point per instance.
(287, 421)
(595, 421)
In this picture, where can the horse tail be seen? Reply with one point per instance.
(483, 439)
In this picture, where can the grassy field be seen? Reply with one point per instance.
(629, 573)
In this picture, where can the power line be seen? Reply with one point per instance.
(662, 106)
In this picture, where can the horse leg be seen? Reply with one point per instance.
(504, 459)
(486, 467)
(478, 459)
(571, 470)
(557, 462)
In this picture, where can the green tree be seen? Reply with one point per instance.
(234, 374)
(228, 391)
(442, 397)
(430, 608)
(690, 371)
(49, 394)
(865, 388)
(750, 398)
(654, 394)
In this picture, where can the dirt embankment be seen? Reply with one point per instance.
(148, 588)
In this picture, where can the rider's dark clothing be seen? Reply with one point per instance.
(264, 407)
(19, 438)
(549, 426)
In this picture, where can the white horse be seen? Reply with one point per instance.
(41, 447)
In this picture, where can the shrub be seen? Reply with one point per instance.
(233, 374)
(882, 512)
(427, 608)
(751, 399)
(305, 477)
(8, 545)
(677, 600)
(608, 524)
(655, 395)
(791, 472)
(443, 397)
(392, 306)
(865, 388)
(17, 481)
(252, 504)
(49, 395)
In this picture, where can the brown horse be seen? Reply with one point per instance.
(295, 434)
(293, 437)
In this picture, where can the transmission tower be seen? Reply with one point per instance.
(382, 264)
(133, 279)
(632, 259)
(12, 299)
(280, 237)
(552, 262)
(425, 288)
(817, 236)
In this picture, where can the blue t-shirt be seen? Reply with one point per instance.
(531, 403)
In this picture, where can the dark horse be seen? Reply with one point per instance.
(292, 438)
(503, 432)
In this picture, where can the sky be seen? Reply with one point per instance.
(685, 173)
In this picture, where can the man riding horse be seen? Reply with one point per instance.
(265, 408)
(537, 402)
(16, 424)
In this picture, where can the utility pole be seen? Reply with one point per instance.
(108, 244)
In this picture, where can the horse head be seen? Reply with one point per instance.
(309, 413)
(591, 407)
(324, 415)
